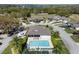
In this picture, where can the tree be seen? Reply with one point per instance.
(28, 14)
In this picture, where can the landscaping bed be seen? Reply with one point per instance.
(59, 47)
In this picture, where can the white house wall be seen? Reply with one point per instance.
(42, 37)
(45, 37)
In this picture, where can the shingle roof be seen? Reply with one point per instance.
(38, 30)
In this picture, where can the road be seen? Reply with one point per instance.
(68, 41)
(5, 43)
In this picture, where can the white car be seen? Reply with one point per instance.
(21, 34)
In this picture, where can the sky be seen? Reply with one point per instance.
(39, 1)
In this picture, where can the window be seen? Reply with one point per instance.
(30, 35)
(36, 35)
(33, 35)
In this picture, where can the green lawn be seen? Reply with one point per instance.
(7, 50)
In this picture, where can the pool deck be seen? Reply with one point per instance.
(40, 47)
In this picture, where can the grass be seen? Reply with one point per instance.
(68, 30)
(7, 50)
(75, 38)
(59, 47)
(74, 17)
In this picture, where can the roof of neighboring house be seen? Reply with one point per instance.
(76, 25)
(38, 30)
(57, 17)
(35, 18)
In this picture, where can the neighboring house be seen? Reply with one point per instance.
(57, 18)
(35, 19)
(65, 19)
(21, 34)
(51, 17)
(76, 26)
(39, 39)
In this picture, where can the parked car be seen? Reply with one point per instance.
(15, 31)
(1, 33)
(10, 33)
(21, 28)
(0, 43)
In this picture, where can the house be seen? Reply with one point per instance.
(56, 18)
(39, 39)
(51, 17)
(76, 26)
(35, 19)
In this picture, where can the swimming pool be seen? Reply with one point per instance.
(39, 43)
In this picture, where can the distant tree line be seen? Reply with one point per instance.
(23, 12)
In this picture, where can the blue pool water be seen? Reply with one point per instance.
(39, 43)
